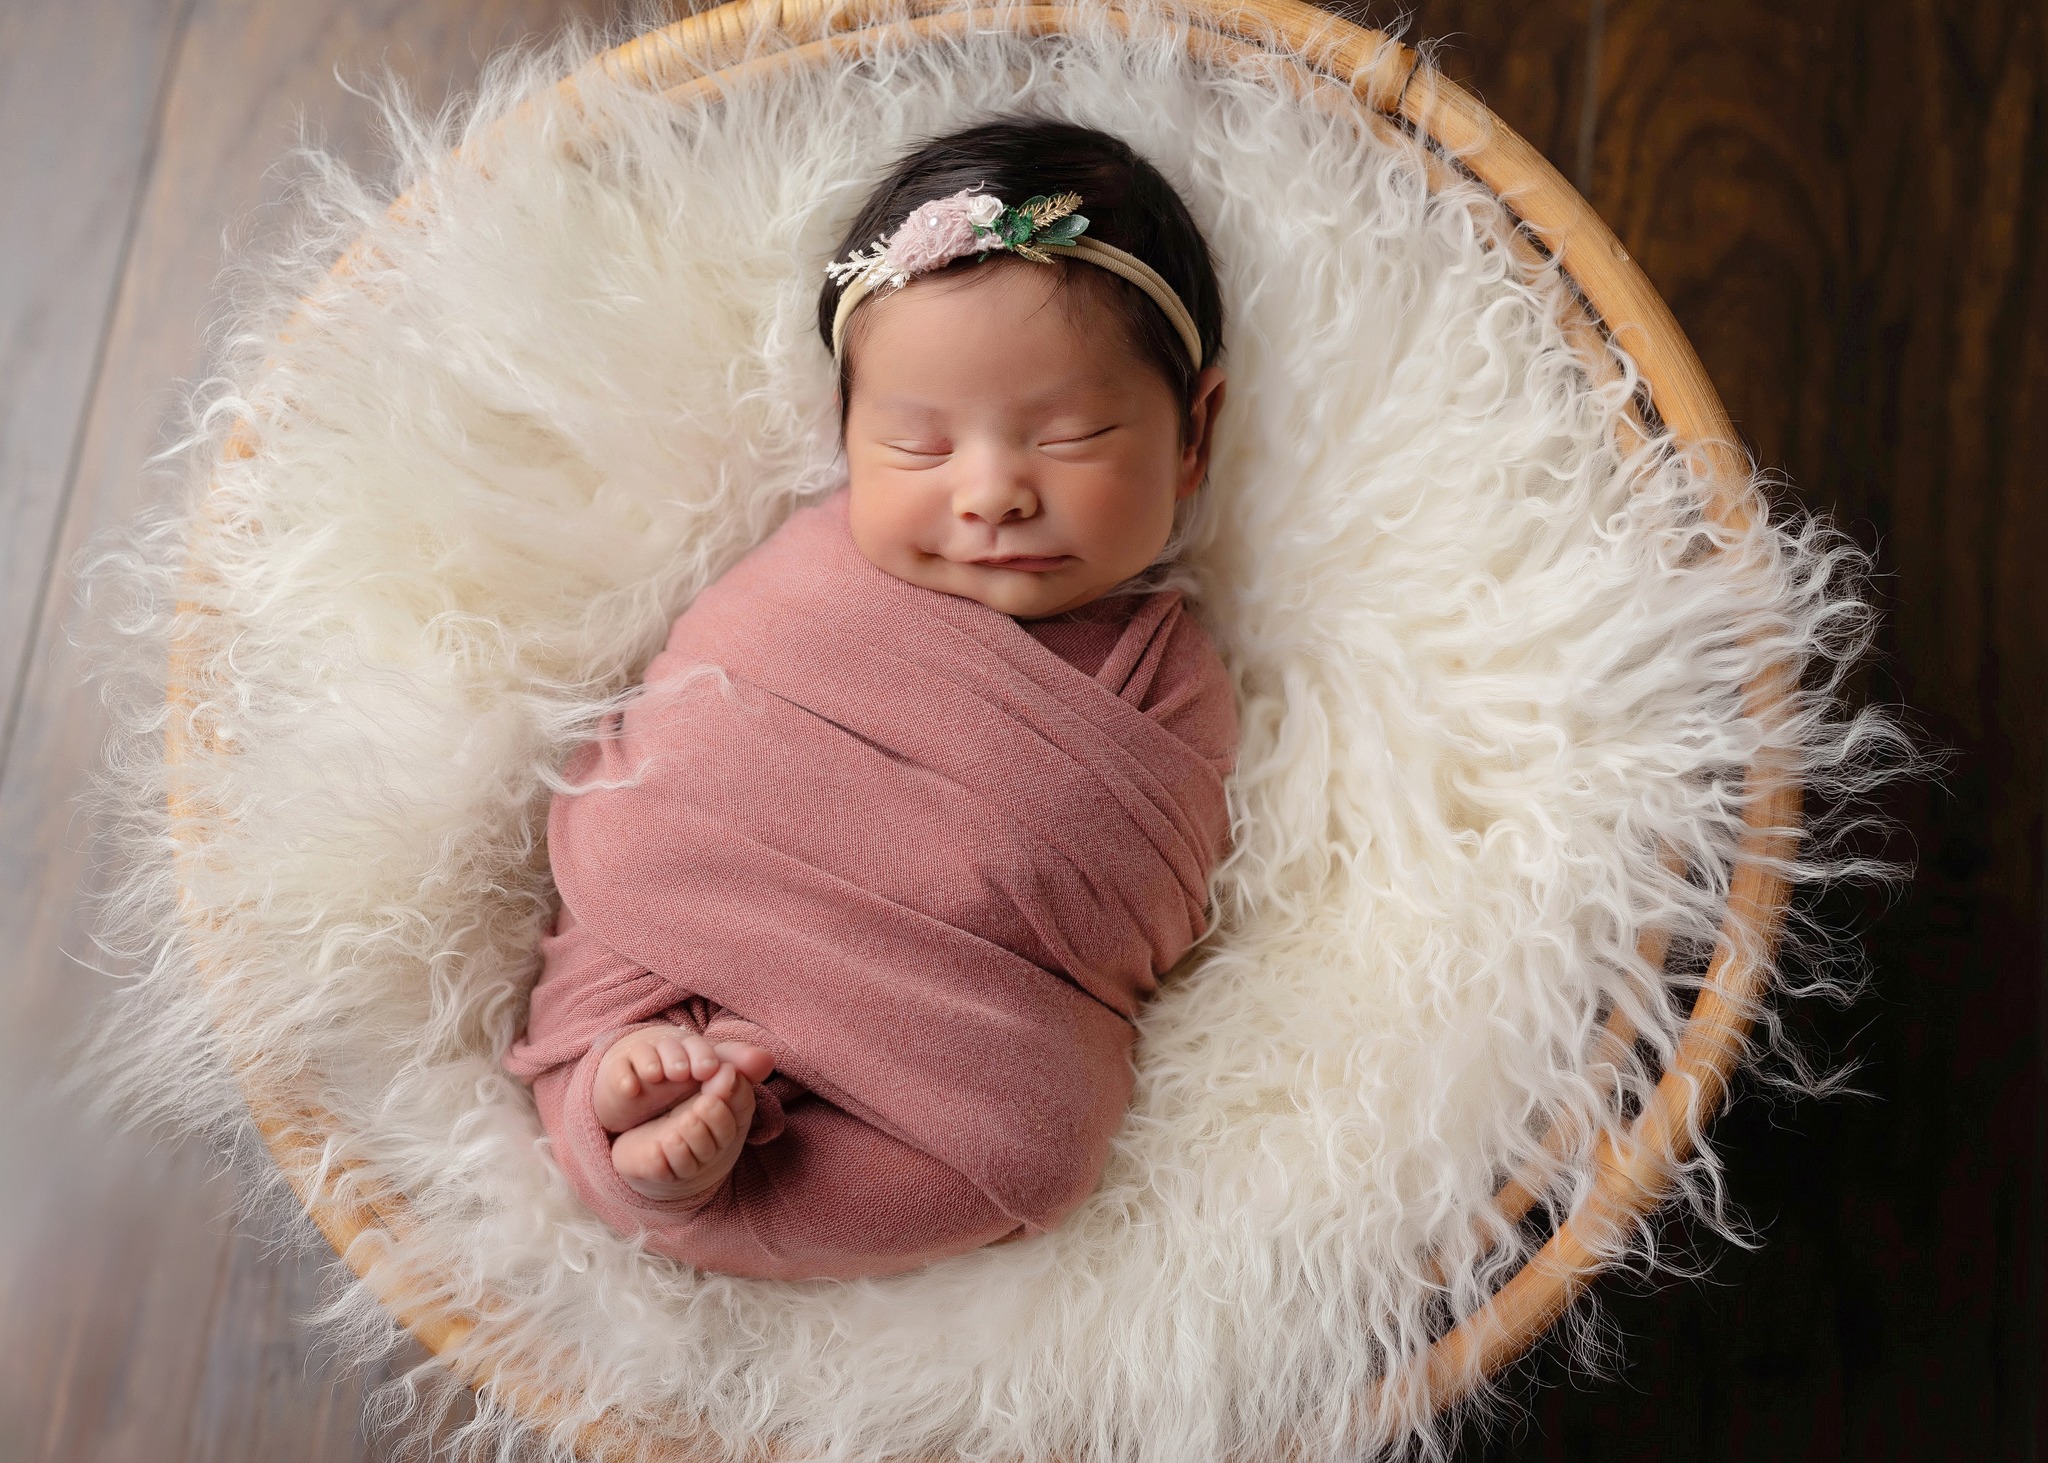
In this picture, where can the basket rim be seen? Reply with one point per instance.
(690, 60)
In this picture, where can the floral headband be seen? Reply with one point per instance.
(971, 222)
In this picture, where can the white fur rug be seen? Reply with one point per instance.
(1489, 655)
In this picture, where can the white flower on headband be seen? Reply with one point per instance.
(963, 223)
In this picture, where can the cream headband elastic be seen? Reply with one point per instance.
(968, 222)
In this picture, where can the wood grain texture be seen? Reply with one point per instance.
(136, 1323)
(1526, 62)
(1843, 204)
(81, 86)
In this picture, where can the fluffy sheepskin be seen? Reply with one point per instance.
(1489, 654)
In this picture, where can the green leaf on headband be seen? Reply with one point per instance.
(1065, 231)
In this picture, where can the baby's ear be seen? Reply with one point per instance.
(1202, 410)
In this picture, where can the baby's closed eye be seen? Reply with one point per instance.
(1078, 437)
(1064, 437)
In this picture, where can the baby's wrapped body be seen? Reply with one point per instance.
(932, 858)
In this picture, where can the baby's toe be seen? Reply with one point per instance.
(703, 1058)
(756, 1063)
(725, 1118)
(740, 1101)
(675, 1057)
(688, 1145)
(644, 1058)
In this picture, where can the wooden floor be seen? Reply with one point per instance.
(1843, 200)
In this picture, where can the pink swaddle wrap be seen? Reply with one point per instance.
(930, 862)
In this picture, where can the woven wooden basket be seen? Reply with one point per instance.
(1338, 63)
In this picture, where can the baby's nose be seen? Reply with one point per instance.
(995, 500)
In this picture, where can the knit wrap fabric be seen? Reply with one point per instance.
(930, 862)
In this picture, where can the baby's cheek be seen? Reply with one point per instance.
(888, 540)
(877, 532)
(1127, 516)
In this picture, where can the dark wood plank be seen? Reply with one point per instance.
(138, 1325)
(81, 84)
(1844, 205)
(1527, 61)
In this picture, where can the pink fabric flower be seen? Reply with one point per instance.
(939, 232)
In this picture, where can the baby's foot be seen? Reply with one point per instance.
(689, 1150)
(647, 1072)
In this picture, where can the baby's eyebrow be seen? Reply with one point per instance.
(906, 404)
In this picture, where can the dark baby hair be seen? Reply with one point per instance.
(1127, 203)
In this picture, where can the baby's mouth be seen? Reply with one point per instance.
(1030, 563)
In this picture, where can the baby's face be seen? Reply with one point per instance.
(991, 420)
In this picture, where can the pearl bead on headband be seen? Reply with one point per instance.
(971, 222)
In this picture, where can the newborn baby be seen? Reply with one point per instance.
(783, 1036)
